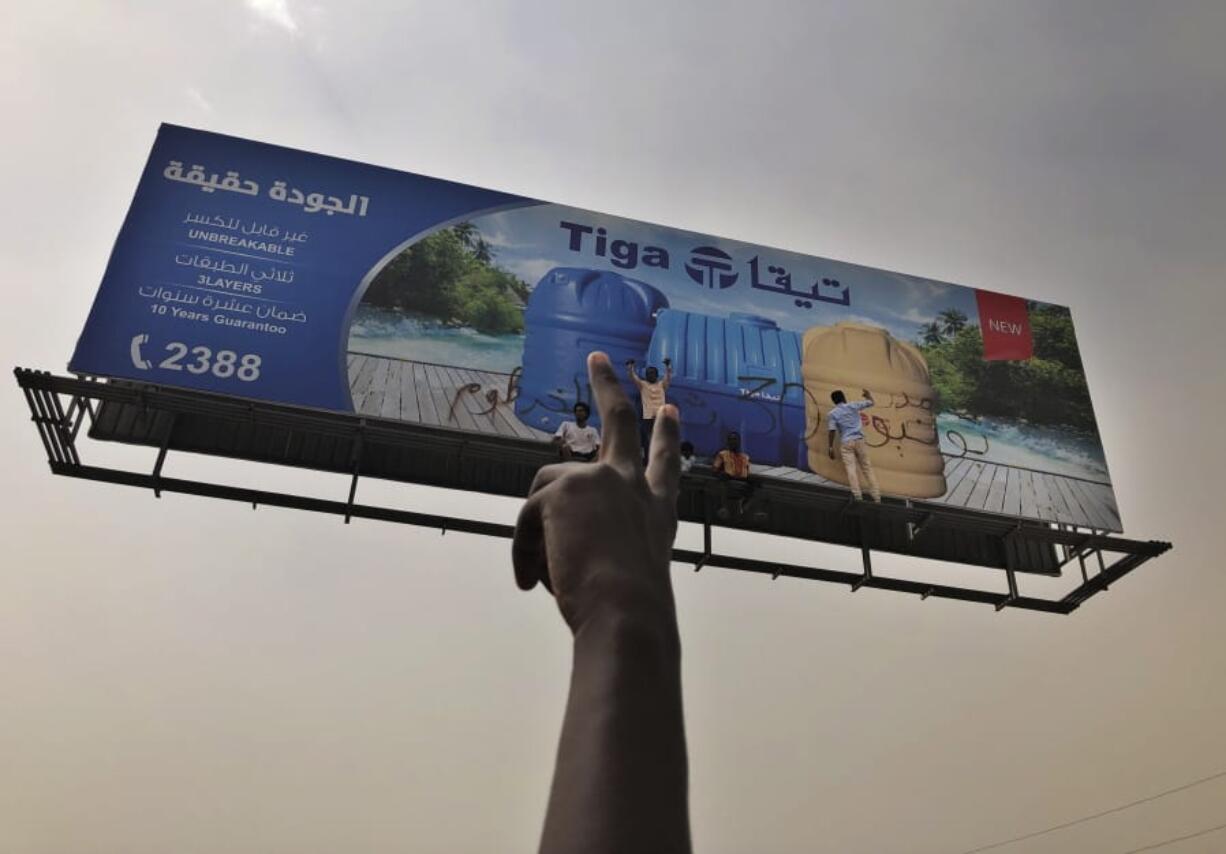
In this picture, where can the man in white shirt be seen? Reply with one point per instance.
(844, 419)
(687, 457)
(651, 397)
(578, 440)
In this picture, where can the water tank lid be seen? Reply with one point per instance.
(752, 319)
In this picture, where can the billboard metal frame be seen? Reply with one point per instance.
(183, 420)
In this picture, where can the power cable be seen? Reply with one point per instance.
(1177, 839)
(1083, 819)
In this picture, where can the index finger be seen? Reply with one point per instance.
(664, 467)
(620, 442)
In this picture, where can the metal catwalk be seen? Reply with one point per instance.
(191, 421)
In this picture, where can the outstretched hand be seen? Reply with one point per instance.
(599, 536)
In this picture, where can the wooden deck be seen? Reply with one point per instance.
(459, 398)
(438, 395)
(980, 485)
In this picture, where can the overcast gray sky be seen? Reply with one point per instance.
(189, 676)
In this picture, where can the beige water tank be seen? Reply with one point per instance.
(900, 431)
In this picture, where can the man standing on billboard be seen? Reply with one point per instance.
(651, 397)
(844, 419)
(578, 440)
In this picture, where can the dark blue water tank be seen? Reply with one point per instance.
(740, 372)
(570, 313)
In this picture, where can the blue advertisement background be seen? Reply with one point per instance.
(305, 365)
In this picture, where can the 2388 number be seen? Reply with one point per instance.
(202, 360)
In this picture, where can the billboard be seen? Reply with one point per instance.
(269, 273)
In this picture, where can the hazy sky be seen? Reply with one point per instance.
(189, 676)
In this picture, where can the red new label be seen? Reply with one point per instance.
(1005, 324)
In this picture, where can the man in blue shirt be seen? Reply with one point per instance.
(844, 419)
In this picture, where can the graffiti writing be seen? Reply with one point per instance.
(493, 396)
(956, 438)
(901, 400)
(926, 429)
(919, 430)
(760, 392)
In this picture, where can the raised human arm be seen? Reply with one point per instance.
(631, 371)
(668, 373)
(868, 395)
(599, 537)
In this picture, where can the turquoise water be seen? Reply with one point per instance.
(424, 339)
(1017, 443)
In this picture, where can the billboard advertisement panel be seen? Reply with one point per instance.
(269, 273)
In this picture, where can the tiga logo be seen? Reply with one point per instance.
(711, 267)
(625, 254)
(708, 266)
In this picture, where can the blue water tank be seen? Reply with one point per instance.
(740, 372)
(570, 313)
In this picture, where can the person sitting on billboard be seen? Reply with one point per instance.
(731, 462)
(599, 537)
(732, 466)
(844, 419)
(651, 397)
(578, 440)
(687, 456)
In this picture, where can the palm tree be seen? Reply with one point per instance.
(931, 333)
(471, 238)
(952, 321)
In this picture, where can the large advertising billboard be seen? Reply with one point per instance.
(269, 273)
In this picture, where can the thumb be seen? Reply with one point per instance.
(528, 555)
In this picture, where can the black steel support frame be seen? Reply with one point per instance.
(58, 428)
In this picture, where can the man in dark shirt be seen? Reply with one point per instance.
(736, 489)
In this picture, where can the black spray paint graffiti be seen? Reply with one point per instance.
(956, 438)
(922, 431)
(688, 401)
(924, 427)
(493, 396)
(555, 404)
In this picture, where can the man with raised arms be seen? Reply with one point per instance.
(651, 397)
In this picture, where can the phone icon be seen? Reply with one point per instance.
(134, 350)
